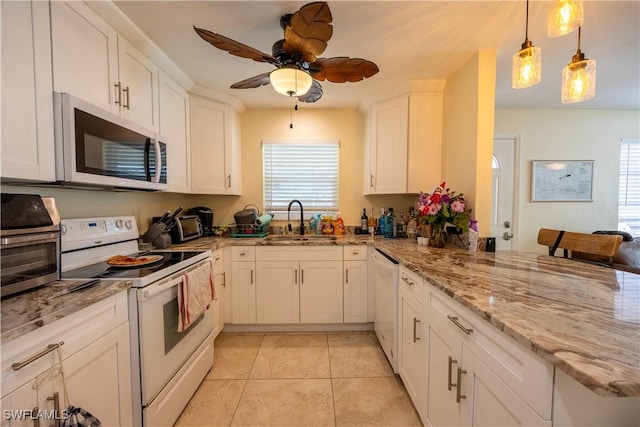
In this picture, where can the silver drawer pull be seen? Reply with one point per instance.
(19, 365)
(415, 323)
(454, 319)
(449, 383)
(407, 281)
(459, 394)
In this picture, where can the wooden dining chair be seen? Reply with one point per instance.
(598, 248)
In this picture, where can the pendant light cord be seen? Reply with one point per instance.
(526, 28)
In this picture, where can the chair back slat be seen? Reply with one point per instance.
(603, 245)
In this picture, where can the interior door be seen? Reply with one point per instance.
(503, 218)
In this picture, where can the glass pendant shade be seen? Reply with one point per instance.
(579, 81)
(527, 67)
(563, 17)
(291, 81)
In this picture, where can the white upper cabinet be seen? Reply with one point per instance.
(403, 154)
(94, 63)
(174, 124)
(215, 147)
(27, 103)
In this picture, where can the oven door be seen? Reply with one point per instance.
(163, 350)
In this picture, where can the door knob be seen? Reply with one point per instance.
(507, 236)
(507, 224)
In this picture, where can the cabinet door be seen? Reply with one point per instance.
(98, 378)
(321, 292)
(355, 291)
(445, 357)
(277, 292)
(491, 401)
(233, 155)
(243, 292)
(27, 108)
(85, 54)
(139, 86)
(209, 133)
(174, 124)
(388, 146)
(218, 303)
(412, 363)
(15, 406)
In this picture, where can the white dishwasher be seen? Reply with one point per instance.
(385, 279)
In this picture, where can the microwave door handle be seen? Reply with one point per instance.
(156, 142)
(147, 166)
(153, 290)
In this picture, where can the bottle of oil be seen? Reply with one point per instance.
(372, 224)
(364, 222)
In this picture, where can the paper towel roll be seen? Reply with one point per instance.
(263, 220)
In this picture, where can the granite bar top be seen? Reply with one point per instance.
(581, 318)
(28, 311)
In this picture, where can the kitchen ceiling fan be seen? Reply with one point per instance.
(298, 67)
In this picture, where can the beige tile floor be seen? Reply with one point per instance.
(300, 379)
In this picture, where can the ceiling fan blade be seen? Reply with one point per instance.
(314, 94)
(234, 47)
(309, 31)
(253, 82)
(342, 69)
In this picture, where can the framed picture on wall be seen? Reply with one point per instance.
(562, 180)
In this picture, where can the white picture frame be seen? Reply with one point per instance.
(562, 180)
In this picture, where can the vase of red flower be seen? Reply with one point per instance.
(440, 208)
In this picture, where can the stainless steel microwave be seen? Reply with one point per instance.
(95, 147)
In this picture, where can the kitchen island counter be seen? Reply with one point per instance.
(28, 311)
(581, 318)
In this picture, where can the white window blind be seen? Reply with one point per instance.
(629, 189)
(307, 171)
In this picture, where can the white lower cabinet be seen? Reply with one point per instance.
(277, 292)
(96, 365)
(218, 284)
(321, 293)
(414, 344)
(243, 285)
(355, 284)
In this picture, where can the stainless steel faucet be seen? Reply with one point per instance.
(301, 216)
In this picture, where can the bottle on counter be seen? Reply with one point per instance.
(390, 225)
(382, 222)
(338, 227)
(372, 224)
(401, 226)
(364, 222)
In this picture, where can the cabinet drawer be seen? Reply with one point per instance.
(299, 253)
(243, 253)
(355, 253)
(519, 368)
(413, 284)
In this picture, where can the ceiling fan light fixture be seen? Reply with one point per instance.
(564, 16)
(578, 78)
(527, 62)
(291, 81)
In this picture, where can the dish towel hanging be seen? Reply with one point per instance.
(195, 294)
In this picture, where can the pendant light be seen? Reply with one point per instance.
(526, 63)
(564, 16)
(579, 77)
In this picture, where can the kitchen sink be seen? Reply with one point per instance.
(303, 238)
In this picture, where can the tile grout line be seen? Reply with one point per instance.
(246, 380)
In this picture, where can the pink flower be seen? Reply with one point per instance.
(458, 206)
(434, 209)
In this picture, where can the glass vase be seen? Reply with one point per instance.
(437, 237)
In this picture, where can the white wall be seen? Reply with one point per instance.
(568, 135)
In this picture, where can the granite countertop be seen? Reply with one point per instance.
(28, 311)
(583, 319)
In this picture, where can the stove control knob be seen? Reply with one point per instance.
(119, 223)
(63, 229)
(128, 224)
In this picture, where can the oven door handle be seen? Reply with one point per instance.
(153, 290)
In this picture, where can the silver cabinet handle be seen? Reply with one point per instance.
(415, 323)
(36, 420)
(118, 94)
(229, 179)
(56, 408)
(459, 394)
(301, 276)
(19, 365)
(252, 276)
(449, 383)
(407, 281)
(346, 272)
(126, 103)
(295, 277)
(454, 319)
(224, 279)
(372, 181)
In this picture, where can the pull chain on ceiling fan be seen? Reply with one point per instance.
(298, 68)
